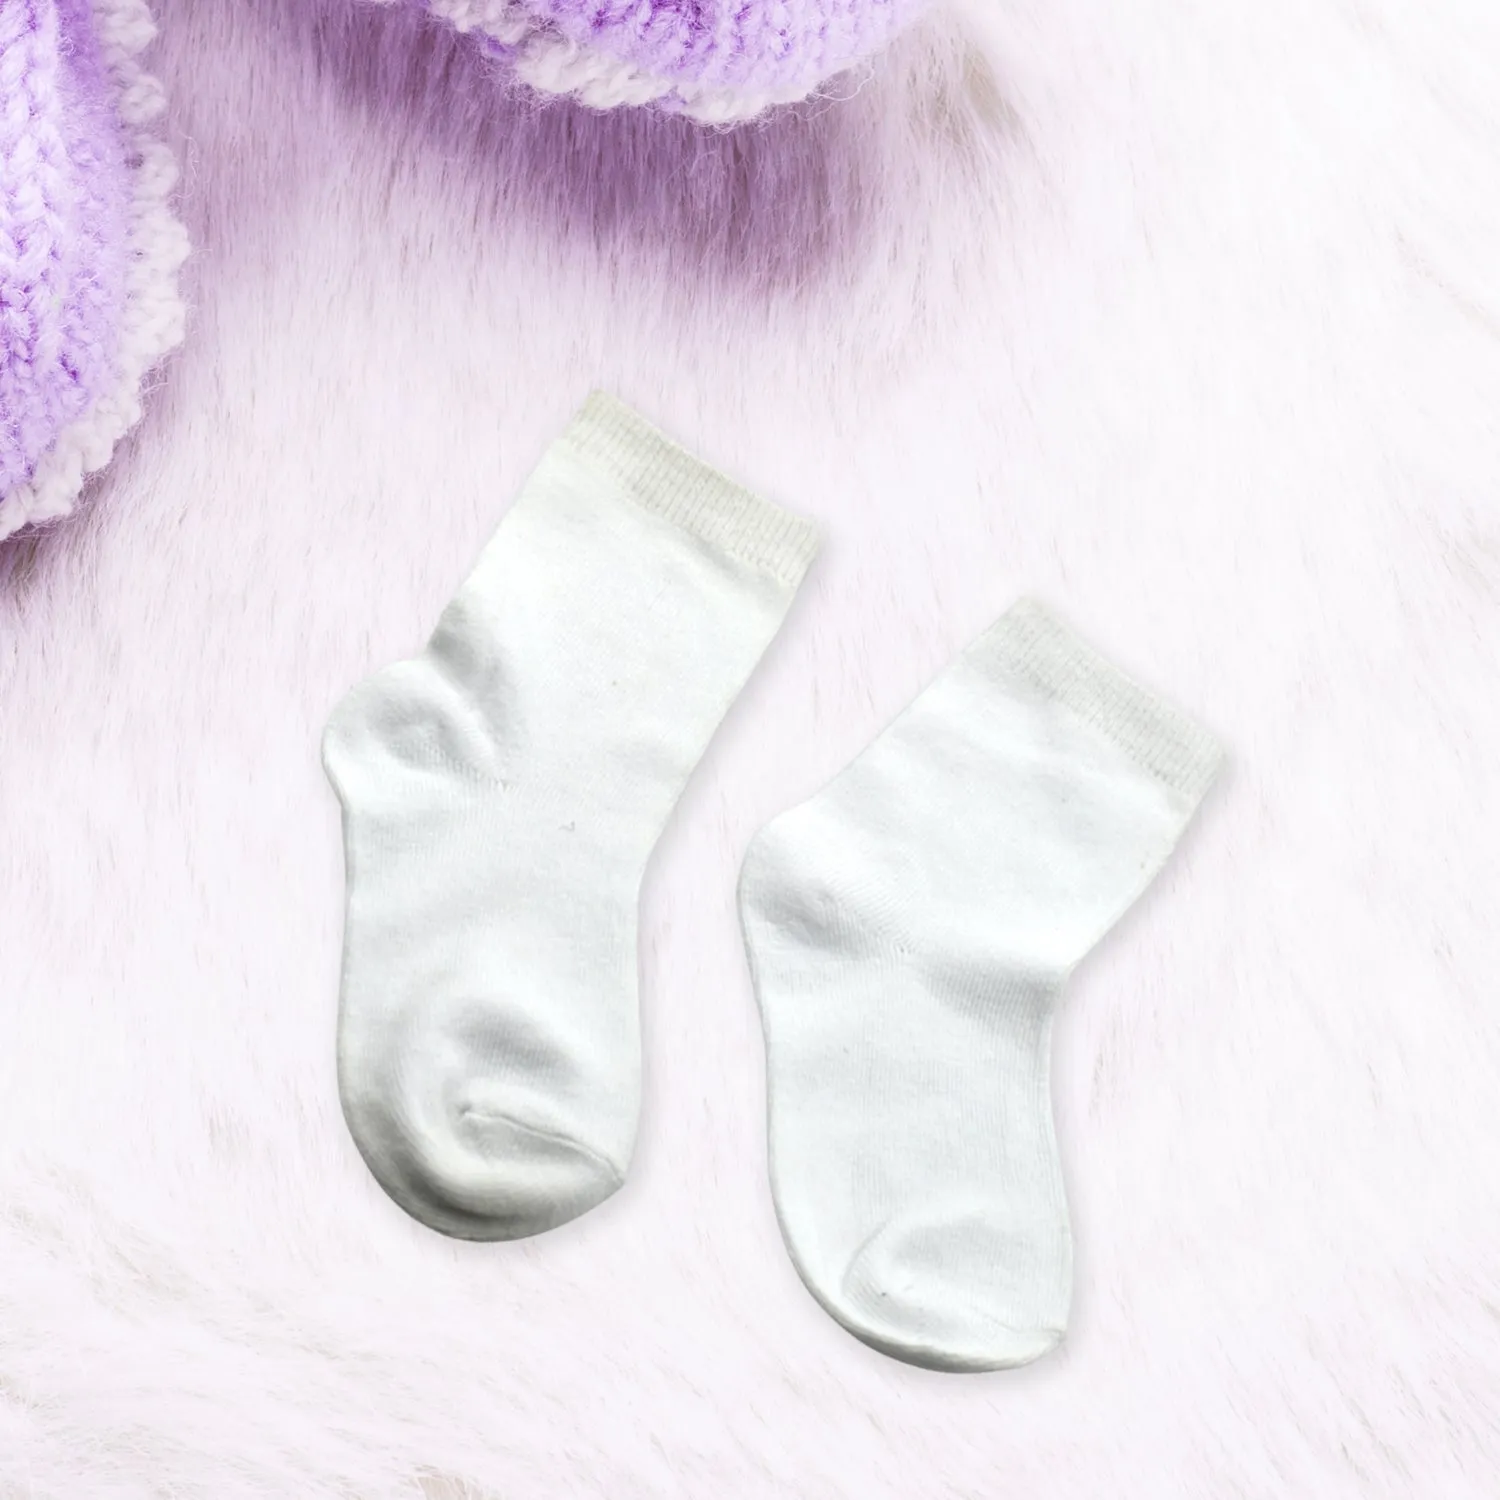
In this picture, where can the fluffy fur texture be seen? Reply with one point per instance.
(1182, 318)
(89, 249)
(716, 60)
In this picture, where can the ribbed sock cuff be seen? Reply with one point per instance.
(1029, 643)
(665, 479)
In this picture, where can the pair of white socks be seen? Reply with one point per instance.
(909, 929)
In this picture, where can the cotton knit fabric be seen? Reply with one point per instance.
(88, 246)
(716, 60)
(910, 930)
(502, 793)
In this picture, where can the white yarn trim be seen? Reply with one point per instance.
(507, 21)
(151, 319)
(552, 64)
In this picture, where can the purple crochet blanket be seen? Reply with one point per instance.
(717, 60)
(88, 246)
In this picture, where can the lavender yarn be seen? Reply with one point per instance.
(88, 249)
(718, 60)
(62, 216)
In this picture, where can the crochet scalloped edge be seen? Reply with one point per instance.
(151, 322)
(551, 64)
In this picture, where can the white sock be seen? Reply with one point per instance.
(502, 793)
(909, 931)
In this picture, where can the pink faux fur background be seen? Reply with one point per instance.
(1183, 319)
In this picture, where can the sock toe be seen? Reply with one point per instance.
(481, 1174)
(474, 1149)
(511, 1178)
(955, 1292)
